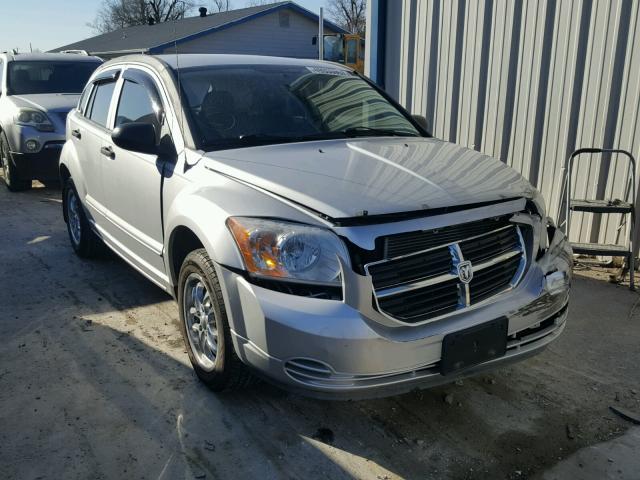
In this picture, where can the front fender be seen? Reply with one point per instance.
(204, 209)
(207, 221)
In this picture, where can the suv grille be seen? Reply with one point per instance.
(426, 283)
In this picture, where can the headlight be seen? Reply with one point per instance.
(34, 118)
(288, 250)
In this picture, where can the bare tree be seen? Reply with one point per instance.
(115, 14)
(349, 14)
(221, 5)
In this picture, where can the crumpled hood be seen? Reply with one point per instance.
(48, 102)
(344, 178)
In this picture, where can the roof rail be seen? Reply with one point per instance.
(75, 52)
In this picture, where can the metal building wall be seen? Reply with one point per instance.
(526, 81)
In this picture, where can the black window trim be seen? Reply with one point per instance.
(89, 96)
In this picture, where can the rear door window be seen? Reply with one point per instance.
(100, 103)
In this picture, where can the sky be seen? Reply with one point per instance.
(47, 24)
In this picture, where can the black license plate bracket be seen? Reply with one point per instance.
(474, 345)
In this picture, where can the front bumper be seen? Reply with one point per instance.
(41, 164)
(330, 349)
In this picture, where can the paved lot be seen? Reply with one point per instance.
(94, 383)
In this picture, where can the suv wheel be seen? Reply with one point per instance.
(83, 239)
(204, 325)
(11, 180)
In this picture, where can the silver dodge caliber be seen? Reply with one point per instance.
(311, 230)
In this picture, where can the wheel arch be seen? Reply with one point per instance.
(65, 175)
(182, 241)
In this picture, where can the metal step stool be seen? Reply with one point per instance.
(606, 207)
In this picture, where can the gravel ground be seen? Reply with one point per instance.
(95, 383)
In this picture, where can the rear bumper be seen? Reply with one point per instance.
(42, 165)
(329, 349)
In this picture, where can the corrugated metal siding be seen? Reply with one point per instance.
(261, 36)
(526, 81)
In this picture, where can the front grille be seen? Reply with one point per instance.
(404, 243)
(413, 286)
(494, 279)
(430, 301)
(484, 247)
(428, 264)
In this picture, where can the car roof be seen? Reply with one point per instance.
(189, 60)
(43, 57)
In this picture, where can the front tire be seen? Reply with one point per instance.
(83, 239)
(204, 325)
(11, 179)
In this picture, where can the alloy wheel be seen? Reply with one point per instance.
(200, 321)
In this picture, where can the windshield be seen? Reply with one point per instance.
(25, 77)
(243, 105)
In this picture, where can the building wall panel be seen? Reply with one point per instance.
(526, 81)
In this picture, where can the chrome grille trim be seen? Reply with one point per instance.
(386, 292)
(419, 252)
(503, 263)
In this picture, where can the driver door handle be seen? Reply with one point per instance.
(76, 133)
(107, 152)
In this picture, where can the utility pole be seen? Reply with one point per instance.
(321, 35)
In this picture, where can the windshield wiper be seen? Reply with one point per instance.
(257, 139)
(263, 137)
(371, 131)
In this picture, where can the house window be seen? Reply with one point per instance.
(284, 19)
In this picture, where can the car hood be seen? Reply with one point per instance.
(49, 102)
(345, 178)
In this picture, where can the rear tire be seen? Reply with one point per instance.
(11, 179)
(83, 239)
(205, 327)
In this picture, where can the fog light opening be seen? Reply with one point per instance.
(32, 145)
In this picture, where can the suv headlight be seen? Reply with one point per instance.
(288, 250)
(34, 118)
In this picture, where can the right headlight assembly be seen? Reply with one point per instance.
(288, 251)
(29, 117)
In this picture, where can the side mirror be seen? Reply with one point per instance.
(423, 122)
(136, 137)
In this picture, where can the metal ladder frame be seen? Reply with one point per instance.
(632, 223)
